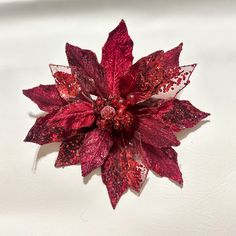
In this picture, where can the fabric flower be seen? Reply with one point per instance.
(116, 115)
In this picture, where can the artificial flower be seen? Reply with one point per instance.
(116, 115)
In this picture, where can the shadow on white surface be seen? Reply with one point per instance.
(43, 151)
(184, 133)
(87, 178)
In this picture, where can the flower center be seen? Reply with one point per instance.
(112, 114)
(108, 112)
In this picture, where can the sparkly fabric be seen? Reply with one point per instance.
(162, 161)
(128, 127)
(182, 114)
(121, 171)
(87, 69)
(41, 133)
(68, 154)
(73, 116)
(94, 150)
(156, 133)
(46, 97)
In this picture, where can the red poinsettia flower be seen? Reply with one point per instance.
(116, 115)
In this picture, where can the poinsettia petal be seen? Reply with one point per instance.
(136, 175)
(41, 133)
(68, 154)
(155, 132)
(162, 161)
(87, 67)
(73, 116)
(94, 150)
(175, 80)
(143, 76)
(117, 56)
(171, 57)
(181, 114)
(120, 171)
(66, 82)
(46, 97)
(112, 176)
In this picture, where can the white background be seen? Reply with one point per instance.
(52, 201)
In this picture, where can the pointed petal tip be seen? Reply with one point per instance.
(114, 203)
(122, 25)
(26, 140)
(177, 180)
(122, 22)
(180, 46)
(205, 115)
(83, 173)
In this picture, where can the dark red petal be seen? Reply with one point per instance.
(94, 150)
(46, 97)
(68, 154)
(147, 73)
(171, 57)
(163, 161)
(73, 116)
(66, 82)
(120, 171)
(113, 178)
(86, 65)
(41, 133)
(181, 114)
(117, 56)
(156, 74)
(156, 133)
(150, 106)
(175, 80)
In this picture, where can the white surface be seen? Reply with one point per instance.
(57, 201)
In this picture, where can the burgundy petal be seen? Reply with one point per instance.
(46, 97)
(181, 114)
(156, 74)
(117, 56)
(94, 150)
(73, 116)
(171, 57)
(156, 133)
(68, 154)
(120, 171)
(66, 82)
(143, 77)
(163, 161)
(175, 79)
(89, 71)
(41, 133)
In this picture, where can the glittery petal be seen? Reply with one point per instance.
(163, 161)
(46, 97)
(87, 67)
(68, 154)
(143, 77)
(66, 82)
(94, 150)
(121, 171)
(156, 133)
(175, 80)
(171, 57)
(73, 116)
(41, 133)
(117, 56)
(181, 114)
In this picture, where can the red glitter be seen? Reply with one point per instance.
(116, 115)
